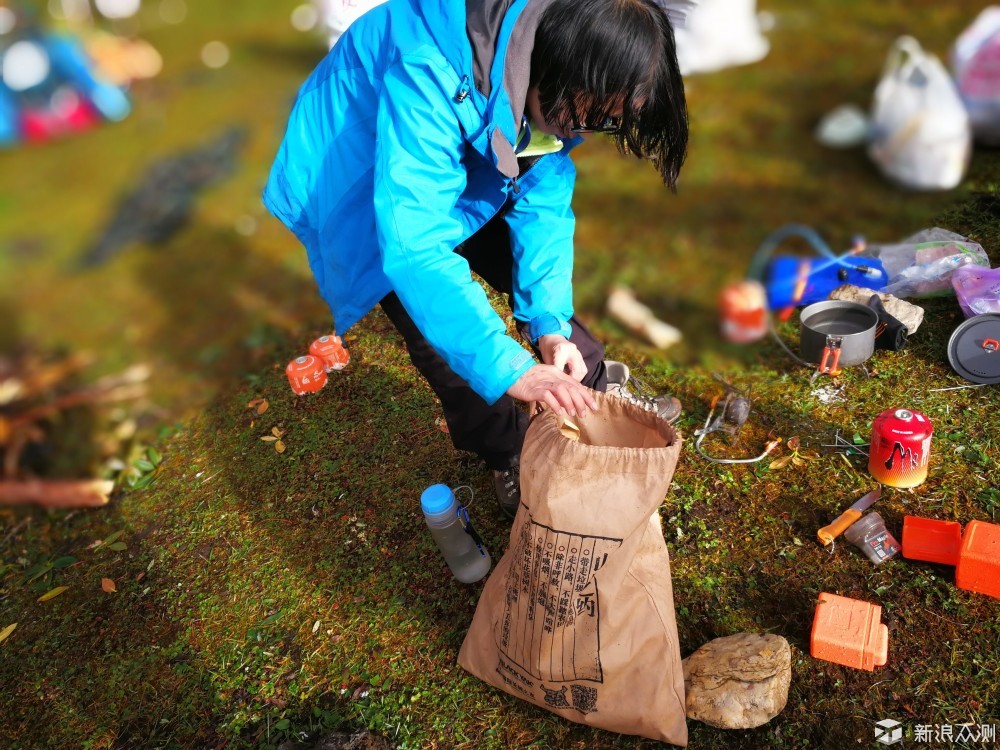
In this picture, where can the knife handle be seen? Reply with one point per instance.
(828, 533)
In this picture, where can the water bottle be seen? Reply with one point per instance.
(462, 547)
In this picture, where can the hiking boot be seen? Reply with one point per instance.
(507, 484)
(622, 384)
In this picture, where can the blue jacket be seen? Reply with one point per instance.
(399, 148)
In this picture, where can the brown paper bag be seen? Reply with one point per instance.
(578, 615)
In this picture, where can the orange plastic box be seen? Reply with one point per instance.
(979, 562)
(849, 632)
(931, 541)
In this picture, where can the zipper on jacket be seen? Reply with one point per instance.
(514, 186)
(463, 90)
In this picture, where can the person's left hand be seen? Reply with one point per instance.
(562, 354)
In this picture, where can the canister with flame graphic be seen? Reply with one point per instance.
(900, 448)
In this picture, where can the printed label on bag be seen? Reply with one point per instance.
(550, 628)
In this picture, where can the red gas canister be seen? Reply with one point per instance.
(331, 351)
(900, 448)
(743, 310)
(306, 375)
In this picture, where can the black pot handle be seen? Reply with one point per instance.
(889, 333)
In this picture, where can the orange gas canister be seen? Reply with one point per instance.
(306, 375)
(849, 632)
(979, 561)
(743, 310)
(900, 448)
(331, 351)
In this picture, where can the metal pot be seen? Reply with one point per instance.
(852, 323)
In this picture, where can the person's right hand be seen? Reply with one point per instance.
(558, 390)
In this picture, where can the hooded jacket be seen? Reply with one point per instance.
(398, 148)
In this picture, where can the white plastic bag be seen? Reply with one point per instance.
(718, 34)
(975, 59)
(337, 15)
(920, 130)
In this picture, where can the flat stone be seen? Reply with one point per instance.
(738, 682)
(907, 313)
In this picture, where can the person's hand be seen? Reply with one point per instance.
(561, 353)
(555, 388)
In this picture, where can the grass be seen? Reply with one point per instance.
(265, 597)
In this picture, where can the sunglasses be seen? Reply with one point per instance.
(611, 125)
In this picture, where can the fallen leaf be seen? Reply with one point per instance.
(269, 438)
(118, 546)
(279, 446)
(108, 540)
(780, 463)
(441, 424)
(276, 432)
(7, 631)
(108, 585)
(53, 593)
(793, 443)
(263, 406)
(254, 402)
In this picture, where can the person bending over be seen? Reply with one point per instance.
(434, 141)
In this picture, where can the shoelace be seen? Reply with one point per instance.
(625, 392)
(511, 478)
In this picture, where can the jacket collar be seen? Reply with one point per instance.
(502, 35)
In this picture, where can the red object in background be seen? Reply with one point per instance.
(306, 375)
(71, 115)
(330, 350)
(900, 448)
(743, 309)
(849, 632)
(931, 541)
(979, 561)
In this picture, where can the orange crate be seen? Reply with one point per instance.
(931, 541)
(979, 562)
(849, 632)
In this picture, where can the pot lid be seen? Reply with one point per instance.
(974, 349)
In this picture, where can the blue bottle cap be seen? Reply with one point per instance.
(437, 499)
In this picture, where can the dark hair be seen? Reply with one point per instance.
(592, 55)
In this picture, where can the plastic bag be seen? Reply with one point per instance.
(337, 15)
(718, 34)
(977, 289)
(922, 264)
(921, 136)
(975, 59)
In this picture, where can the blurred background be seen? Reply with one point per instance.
(137, 135)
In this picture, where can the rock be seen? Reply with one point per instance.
(738, 682)
(905, 312)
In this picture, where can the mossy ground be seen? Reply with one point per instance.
(263, 595)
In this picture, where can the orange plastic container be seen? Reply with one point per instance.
(979, 561)
(849, 632)
(931, 541)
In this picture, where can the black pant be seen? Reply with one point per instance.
(494, 433)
